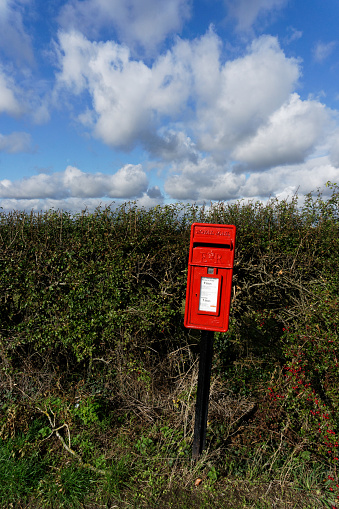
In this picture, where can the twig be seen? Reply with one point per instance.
(67, 447)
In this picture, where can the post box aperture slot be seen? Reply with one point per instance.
(208, 245)
(209, 296)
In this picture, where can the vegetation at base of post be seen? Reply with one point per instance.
(98, 375)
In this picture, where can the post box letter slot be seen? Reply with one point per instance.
(211, 245)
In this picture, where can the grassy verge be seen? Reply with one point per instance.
(78, 449)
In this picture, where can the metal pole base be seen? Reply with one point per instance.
(203, 392)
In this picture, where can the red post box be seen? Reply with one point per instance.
(209, 281)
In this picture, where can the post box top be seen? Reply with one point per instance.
(213, 233)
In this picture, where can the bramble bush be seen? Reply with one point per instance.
(91, 317)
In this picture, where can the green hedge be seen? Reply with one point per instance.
(92, 343)
(78, 287)
(75, 284)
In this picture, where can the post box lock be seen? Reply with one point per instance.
(209, 281)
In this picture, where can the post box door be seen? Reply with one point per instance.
(208, 306)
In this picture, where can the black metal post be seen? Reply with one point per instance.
(203, 392)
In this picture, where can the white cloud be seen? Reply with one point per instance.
(37, 205)
(204, 180)
(289, 136)
(208, 181)
(169, 146)
(249, 90)
(225, 186)
(15, 142)
(143, 23)
(8, 100)
(15, 41)
(322, 50)
(18, 98)
(130, 100)
(73, 205)
(247, 12)
(128, 182)
(212, 120)
(284, 181)
(151, 198)
(128, 97)
(292, 35)
(38, 186)
(334, 147)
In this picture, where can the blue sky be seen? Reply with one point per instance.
(158, 101)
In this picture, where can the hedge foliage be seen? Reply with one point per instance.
(76, 283)
(79, 292)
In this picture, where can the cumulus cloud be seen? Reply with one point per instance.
(15, 142)
(37, 205)
(128, 97)
(284, 181)
(170, 146)
(130, 100)
(246, 12)
(73, 205)
(128, 182)
(202, 180)
(250, 89)
(334, 148)
(154, 192)
(213, 121)
(144, 24)
(289, 136)
(38, 186)
(208, 181)
(15, 41)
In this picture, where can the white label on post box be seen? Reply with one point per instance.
(209, 294)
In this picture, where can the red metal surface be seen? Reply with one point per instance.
(209, 280)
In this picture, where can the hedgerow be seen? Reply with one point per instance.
(92, 344)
